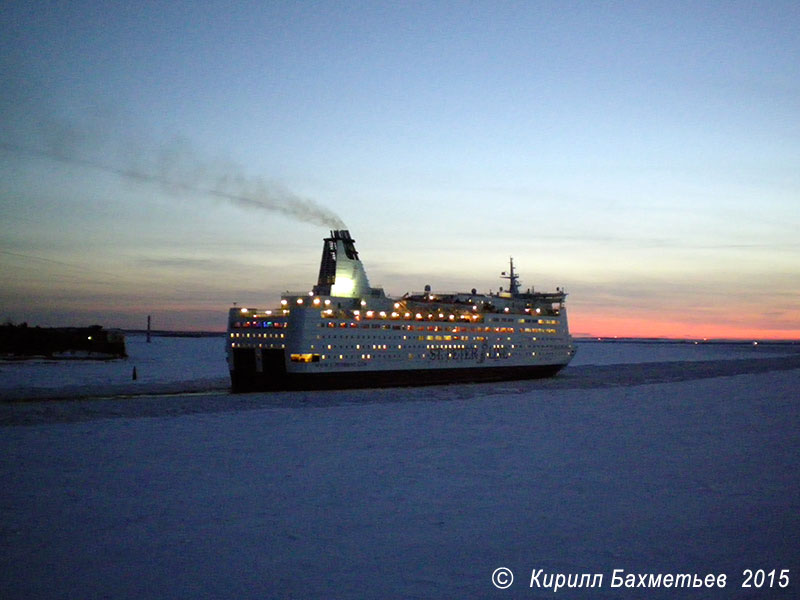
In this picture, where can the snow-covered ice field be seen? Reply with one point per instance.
(652, 458)
(167, 364)
(194, 364)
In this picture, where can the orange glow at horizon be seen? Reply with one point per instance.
(643, 327)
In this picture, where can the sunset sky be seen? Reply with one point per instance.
(170, 158)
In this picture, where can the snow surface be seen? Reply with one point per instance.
(650, 467)
(625, 352)
(166, 365)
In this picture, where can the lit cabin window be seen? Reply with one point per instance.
(305, 358)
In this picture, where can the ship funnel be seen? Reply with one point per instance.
(340, 271)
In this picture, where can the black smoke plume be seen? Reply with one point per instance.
(33, 126)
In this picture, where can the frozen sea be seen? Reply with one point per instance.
(660, 458)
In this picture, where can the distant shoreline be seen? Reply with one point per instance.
(168, 333)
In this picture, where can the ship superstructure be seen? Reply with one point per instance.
(345, 333)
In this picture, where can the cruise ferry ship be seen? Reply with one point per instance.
(345, 333)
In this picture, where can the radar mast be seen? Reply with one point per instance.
(513, 278)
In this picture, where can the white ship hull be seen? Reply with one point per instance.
(365, 339)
